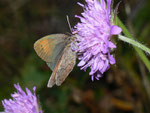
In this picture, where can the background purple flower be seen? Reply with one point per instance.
(94, 37)
(22, 102)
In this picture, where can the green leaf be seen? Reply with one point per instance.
(139, 51)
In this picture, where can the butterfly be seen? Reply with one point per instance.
(55, 50)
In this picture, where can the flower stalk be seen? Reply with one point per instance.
(135, 43)
(139, 51)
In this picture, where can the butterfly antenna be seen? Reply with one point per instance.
(69, 23)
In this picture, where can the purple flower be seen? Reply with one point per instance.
(22, 102)
(94, 34)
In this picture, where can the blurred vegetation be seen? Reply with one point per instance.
(124, 88)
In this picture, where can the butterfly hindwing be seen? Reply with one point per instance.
(63, 67)
(67, 63)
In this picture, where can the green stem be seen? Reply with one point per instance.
(135, 43)
(139, 51)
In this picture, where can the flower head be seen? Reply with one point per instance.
(22, 102)
(94, 34)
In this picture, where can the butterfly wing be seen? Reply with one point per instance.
(67, 63)
(50, 48)
(56, 52)
(63, 67)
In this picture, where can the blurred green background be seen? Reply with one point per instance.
(124, 88)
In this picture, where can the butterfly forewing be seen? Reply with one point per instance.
(50, 48)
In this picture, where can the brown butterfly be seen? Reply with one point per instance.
(55, 50)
